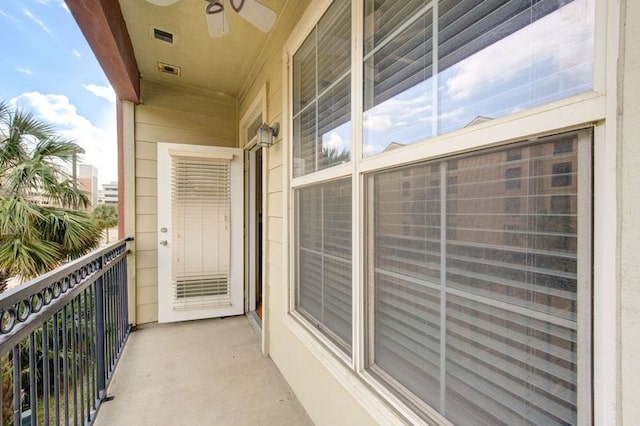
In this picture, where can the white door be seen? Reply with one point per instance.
(200, 222)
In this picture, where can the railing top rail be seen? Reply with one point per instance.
(21, 292)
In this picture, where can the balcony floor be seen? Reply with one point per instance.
(209, 372)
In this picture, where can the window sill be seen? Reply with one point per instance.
(364, 388)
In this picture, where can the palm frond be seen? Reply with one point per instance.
(27, 258)
(18, 216)
(74, 231)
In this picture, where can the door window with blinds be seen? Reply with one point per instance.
(474, 295)
(201, 240)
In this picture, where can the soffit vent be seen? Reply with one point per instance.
(169, 69)
(163, 35)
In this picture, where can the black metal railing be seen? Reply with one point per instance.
(60, 338)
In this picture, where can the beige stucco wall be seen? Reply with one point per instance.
(176, 115)
(629, 218)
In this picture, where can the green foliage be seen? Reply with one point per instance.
(105, 216)
(35, 160)
(332, 156)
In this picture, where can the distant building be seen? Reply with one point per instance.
(110, 193)
(88, 182)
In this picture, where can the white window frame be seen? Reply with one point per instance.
(590, 109)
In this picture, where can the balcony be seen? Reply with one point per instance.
(63, 334)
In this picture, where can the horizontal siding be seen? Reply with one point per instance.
(147, 241)
(146, 150)
(147, 205)
(174, 115)
(274, 177)
(146, 187)
(274, 205)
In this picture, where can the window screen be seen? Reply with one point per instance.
(473, 295)
(323, 259)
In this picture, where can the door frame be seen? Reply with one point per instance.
(257, 108)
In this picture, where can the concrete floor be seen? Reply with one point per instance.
(208, 372)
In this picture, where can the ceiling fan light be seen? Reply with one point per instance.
(162, 2)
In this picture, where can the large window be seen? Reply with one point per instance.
(480, 323)
(322, 140)
(469, 293)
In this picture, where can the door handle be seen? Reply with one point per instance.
(163, 243)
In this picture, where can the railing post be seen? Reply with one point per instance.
(100, 334)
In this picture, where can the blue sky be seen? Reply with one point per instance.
(47, 67)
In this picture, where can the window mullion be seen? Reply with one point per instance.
(358, 231)
(443, 284)
(315, 101)
(435, 110)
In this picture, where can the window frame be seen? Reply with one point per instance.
(589, 109)
(583, 181)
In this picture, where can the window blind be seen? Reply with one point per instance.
(323, 260)
(322, 91)
(201, 231)
(475, 297)
(399, 42)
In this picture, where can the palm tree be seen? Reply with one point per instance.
(34, 163)
(34, 239)
(105, 216)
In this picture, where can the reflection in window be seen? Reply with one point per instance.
(493, 58)
(514, 154)
(561, 174)
(322, 93)
(512, 205)
(482, 325)
(512, 178)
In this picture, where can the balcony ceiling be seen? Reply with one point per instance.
(222, 65)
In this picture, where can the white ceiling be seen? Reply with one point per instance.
(219, 65)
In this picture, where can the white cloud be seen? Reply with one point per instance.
(76, 53)
(26, 71)
(35, 19)
(63, 5)
(561, 38)
(334, 141)
(412, 105)
(10, 17)
(100, 144)
(378, 122)
(105, 92)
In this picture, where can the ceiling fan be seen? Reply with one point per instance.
(256, 13)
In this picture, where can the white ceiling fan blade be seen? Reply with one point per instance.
(162, 2)
(258, 14)
(217, 22)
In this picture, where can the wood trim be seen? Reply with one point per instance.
(104, 28)
(121, 192)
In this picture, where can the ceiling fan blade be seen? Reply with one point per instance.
(258, 14)
(162, 2)
(217, 22)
